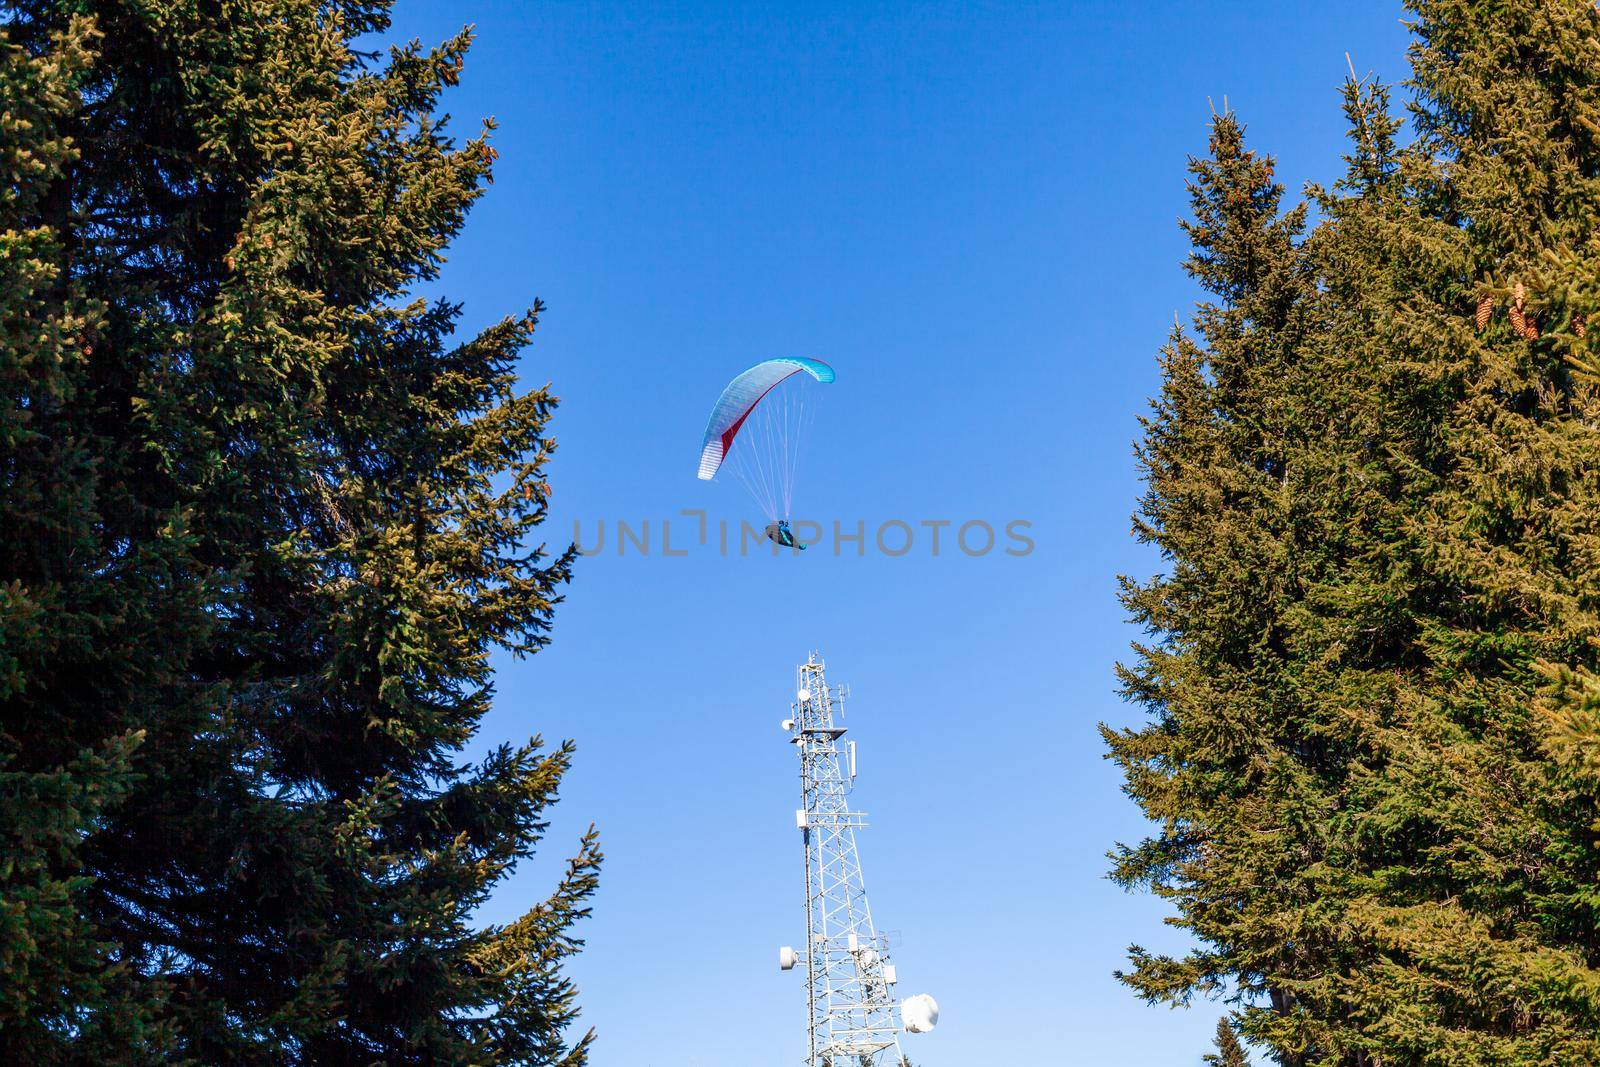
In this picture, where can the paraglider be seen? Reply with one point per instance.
(764, 412)
(780, 534)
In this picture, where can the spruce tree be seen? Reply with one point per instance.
(1239, 762)
(266, 521)
(1406, 810)
(1229, 1052)
(73, 633)
(1489, 950)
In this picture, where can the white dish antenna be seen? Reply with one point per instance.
(919, 1014)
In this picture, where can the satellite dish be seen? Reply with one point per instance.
(787, 958)
(919, 1013)
(803, 696)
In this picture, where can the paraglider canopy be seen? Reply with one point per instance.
(740, 398)
(759, 426)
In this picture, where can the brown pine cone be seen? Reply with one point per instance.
(1485, 309)
(1519, 321)
(1577, 324)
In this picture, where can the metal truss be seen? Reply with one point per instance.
(849, 979)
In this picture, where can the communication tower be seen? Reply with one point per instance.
(854, 1018)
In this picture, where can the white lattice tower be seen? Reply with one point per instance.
(849, 979)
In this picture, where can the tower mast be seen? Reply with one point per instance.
(849, 979)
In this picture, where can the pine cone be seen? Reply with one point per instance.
(1485, 309)
(1577, 324)
(1519, 321)
(1518, 295)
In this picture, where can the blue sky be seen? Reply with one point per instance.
(970, 211)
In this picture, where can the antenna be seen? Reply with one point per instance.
(850, 981)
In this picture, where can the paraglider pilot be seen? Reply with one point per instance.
(780, 534)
